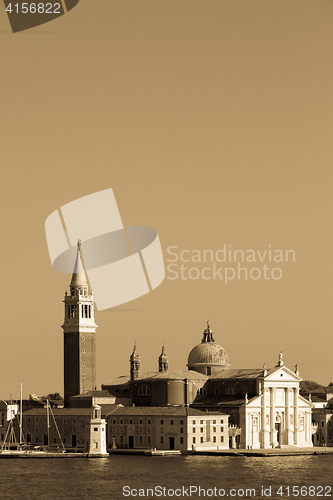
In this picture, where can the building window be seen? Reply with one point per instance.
(148, 422)
(221, 429)
(83, 338)
(193, 422)
(83, 351)
(201, 392)
(193, 440)
(230, 390)
(148, 439)
(113, 421)
(171, 422)
(209, 370)
(181, 440)
(182, 422)
(214, 421)
(161, 430)
(161, 422)
(83, 375)
(221, 421)
(131, 421)
(322, 423)
(121, 439)
(214, 429)
(83, 364)
(214, 439)
(201, 421)
(201, 429)
(161, 439)
(140, 429)
(121, 422)
(144, 390)
(181, 430)
(201, 439)
(95, 429)
(141, 422)
(193, 429)
(222, 439)
(148, 429)
(216, 390)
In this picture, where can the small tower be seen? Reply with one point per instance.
(135, 364)
(207, 334)
(96, 439)
(79, 335)
(163, 362)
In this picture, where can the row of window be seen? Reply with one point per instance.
(181, 439)
(44, 420)
(202, 429)
(162, 422)
(72, 311)
(202, 439)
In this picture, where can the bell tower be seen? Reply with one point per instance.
(79, 334)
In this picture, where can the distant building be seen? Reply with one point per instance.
(75, 429)
(167, 428)
(322, 415)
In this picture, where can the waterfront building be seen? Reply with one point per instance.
(167, 428)
(75, 429)
(322, 415)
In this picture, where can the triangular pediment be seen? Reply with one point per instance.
(282, 374)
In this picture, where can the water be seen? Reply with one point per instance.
(90, 479)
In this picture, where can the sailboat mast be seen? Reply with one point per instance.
(48, 422)
(21, 415)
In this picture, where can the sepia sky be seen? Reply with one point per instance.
(211, 121)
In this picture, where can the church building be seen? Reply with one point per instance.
(264, 405)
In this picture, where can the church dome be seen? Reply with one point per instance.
(207, 357)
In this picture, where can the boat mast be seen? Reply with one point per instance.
(48, 422)
(21, 415)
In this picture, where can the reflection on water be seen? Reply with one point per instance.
(105, 478)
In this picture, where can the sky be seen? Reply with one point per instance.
(212, 123)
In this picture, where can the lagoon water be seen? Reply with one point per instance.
(120, 477)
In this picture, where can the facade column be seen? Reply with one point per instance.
(287, 406)
(272, 416)
(295, 415)
(263, 420)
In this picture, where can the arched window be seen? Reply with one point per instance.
(201, 392)
(230, 390)
(144, 390)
